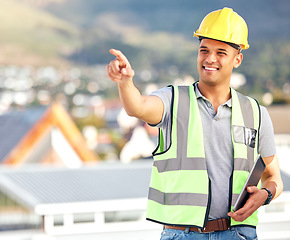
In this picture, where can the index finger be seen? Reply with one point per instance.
(120, 56)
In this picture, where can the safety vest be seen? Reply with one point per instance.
(179, 192)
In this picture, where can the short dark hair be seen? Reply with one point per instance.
(235, 46)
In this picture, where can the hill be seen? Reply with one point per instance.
(154, 35)
(30, 35)
(265, 18)
(158, 35)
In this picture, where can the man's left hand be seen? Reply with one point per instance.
(257, 199)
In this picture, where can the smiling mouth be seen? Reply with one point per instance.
(210, 68)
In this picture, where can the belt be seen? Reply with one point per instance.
(221, 224)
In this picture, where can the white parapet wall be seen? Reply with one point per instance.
(275, 219)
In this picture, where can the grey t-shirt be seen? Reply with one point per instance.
(218, 152)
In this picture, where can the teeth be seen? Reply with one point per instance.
(210, 69)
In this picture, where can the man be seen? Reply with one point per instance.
(210, 136)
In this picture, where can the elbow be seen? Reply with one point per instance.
(282, 187)
(132, 113)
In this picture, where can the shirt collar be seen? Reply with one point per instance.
(199, 95)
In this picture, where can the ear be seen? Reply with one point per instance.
(238, 60)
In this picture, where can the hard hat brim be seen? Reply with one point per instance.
(242, 46)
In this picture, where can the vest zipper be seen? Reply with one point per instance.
(231, 194)
(208, 205)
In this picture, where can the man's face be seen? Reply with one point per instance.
(216, 61)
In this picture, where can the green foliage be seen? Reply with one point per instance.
(91, 120)
(266, 65)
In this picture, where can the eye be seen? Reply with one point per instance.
(203, 50)
(222, 53)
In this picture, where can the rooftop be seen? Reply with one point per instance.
(34, 186)
(15, 125)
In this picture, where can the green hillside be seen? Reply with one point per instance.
(158, 35)
(266, 18)
(154, 35)
(31, 35)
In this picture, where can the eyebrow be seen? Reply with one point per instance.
(219, 49)
(222, 49)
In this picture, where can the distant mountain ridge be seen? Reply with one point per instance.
(68, 29)
(154, 35)
(264, 17)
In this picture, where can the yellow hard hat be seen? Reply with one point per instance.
(224, 25)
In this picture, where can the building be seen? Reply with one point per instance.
(101, 202)
(104, 199)
(45, 135)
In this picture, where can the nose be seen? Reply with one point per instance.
(211, 58)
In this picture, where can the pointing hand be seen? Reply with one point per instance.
(119, 69)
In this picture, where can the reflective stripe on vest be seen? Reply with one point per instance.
(245, 135)
(179, 188)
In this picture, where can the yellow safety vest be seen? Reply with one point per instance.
(179, 192)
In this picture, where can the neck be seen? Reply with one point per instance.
(217, 95)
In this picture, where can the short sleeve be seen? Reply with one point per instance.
(165, 94)
(266, 138)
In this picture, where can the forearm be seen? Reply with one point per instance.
(131, 98)
(146, 108)
(271, 178)
(274, 184)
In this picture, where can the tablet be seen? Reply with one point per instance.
(252, 180)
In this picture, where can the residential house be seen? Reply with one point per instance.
(45, 135)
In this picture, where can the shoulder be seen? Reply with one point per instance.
(266, 127)
(164, 93)
(265, 116)
(264, 112)
(266, 137)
